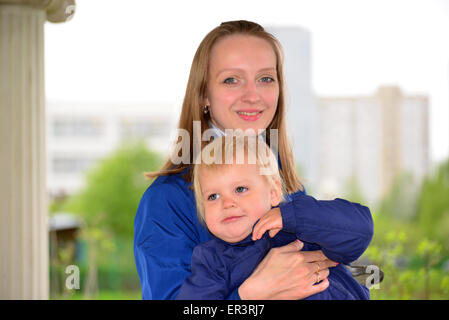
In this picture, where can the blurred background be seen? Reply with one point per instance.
(368, 113)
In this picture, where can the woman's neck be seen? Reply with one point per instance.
(220, 133)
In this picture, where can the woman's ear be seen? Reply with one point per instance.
(205, 101)
(276, 193)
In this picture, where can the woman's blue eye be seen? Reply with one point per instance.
(212, 197)
(241, 189)
(232, 82)
(267, 79)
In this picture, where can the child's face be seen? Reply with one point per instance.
(235, 197)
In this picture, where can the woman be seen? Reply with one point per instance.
(235, 82)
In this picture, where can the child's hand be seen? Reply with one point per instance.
(272, 220)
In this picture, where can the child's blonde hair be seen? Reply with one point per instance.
(236, 149)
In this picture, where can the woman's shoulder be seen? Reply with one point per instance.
(169, 187)
(166, 194)
(167, 202)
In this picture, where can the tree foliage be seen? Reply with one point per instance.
(400, 201)
(113, 189)
(433, 204)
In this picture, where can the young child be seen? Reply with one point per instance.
(236, 200)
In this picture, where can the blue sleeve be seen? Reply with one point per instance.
(234, 295)
(341, 228)
(164, 239)
(208, 279)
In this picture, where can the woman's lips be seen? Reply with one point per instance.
(231, 219)
(249, 115)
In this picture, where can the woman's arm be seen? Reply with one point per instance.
(341, 228)
(164, 239)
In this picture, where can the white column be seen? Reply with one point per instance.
(24, 266)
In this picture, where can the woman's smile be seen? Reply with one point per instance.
(250, 115)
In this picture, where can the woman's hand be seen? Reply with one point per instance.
(286, 274)
(272, 220)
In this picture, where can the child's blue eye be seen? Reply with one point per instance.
(241, 189)
(212, 197)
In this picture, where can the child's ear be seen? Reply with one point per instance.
(276, 193)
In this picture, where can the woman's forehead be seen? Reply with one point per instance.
(241, 52)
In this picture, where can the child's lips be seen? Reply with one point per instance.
(231, 219)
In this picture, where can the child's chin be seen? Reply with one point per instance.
(236, 237)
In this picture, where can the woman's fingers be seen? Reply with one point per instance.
(318, 256)
(312, 256)
(316, 277)
(296, 245)
(319, 287)
(284, 274)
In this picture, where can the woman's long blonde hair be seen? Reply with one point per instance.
(196, 92)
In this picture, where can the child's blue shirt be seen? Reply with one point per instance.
(218, 268)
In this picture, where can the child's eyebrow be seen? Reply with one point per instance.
(242, 182)
(234, 184)
(207, 191)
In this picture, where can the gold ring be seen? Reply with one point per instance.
(317, 277)
(318, 267)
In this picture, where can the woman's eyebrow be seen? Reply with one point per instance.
(238, 69)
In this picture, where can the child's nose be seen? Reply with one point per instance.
(228, 202)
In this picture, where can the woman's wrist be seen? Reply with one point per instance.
(247, 291)
(244, 291)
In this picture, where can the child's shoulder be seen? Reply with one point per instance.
(289, 197)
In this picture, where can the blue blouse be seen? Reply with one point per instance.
(166, 231)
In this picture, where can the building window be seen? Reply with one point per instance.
(143, 128)
(77, 127)
(71, 165)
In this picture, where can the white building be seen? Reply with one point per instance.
(79, 134)
(301, 105)
(371, 139)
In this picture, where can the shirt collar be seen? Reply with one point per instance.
(217, 132)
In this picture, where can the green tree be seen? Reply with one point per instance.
(353, 191)
(113, 189)
(401, 201)
(433, 204)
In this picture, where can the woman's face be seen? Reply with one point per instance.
(243, 88)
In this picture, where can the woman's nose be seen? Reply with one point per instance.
(251, 95)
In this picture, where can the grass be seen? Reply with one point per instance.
(104, 295)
